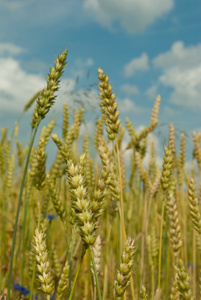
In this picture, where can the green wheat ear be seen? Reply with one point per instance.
(143, 293)
(174, 224)
(183, 282)
(64, 280)
(194, 208)
(174, 293)
(108, 105)
(167, 167)
(65, 121)
(47, 96)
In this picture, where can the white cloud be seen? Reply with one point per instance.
(16, 85)
(152, 91)
(172, 112)
(82, 63)
(9, 48)
(37, 66)
(87, 127)
(133, 15)
(181, 71)
(137, 64)
(81, 67)
(126, 105)
(130, 89)
(186, 85)
(180, 56)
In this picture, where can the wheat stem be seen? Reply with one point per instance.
(105, 283)
(17, 214)
(160, 246)
(123, 232)
(75, 279)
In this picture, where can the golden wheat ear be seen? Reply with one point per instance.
(43, 265)
(125, 271)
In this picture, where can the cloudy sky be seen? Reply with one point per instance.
(146, 47)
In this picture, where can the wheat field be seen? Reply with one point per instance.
(93, 226)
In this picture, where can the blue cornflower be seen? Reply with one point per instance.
(21, 289)
(50, 217)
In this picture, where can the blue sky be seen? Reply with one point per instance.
(146, 47)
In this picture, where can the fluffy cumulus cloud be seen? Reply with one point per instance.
(87, 127)
(133, 15)
(130, 89)
(181, 71)
(126, 105)
(11, 49)
(81, 67)
(82, 63)
(139, 64)
(179, 55)
(16, 85)
(151, 92)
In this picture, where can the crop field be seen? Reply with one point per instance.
(93, 226)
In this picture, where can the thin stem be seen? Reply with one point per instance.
(168, 270)
(70, 257)
(194, 263)
(132, 288)
(105, 283)
(160, 247)
(166, 253)
(95, 273)
(152, 282)
(17, 215)
(23, 242)
(76, 276)
(123, 233)
(144, 233)
(120, 244)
